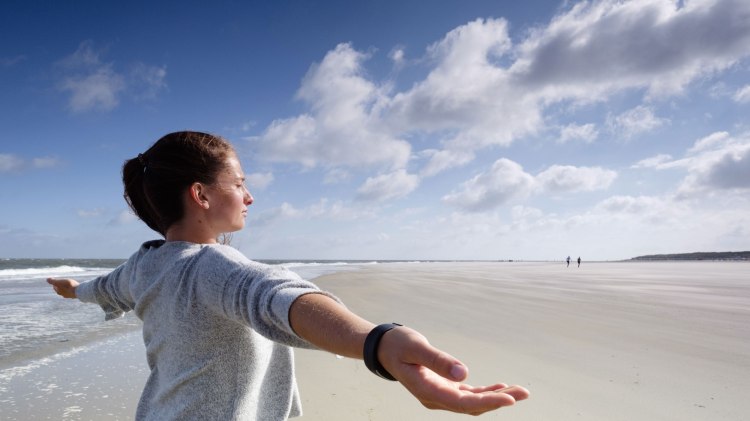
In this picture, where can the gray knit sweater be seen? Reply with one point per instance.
(216, 329)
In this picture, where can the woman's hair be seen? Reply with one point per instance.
(155, 180)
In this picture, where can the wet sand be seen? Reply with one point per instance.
(606, 341)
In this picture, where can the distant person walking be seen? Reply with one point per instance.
(579, 261)
(568, 261)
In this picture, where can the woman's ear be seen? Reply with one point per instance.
(198, 196)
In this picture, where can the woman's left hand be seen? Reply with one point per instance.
(435, 377)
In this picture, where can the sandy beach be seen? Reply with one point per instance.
(606, 341)
(603, 342)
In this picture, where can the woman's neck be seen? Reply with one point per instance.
(190, 234)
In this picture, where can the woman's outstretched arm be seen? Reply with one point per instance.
(431, 375)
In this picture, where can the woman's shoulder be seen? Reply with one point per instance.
(227, 257)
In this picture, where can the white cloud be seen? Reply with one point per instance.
(124, 217)
(656, 161)
(481, 90)
(96, 85)
(146, 81)
(467, 93)
(441, 160)
(610, 45)
(709, 142)
(640, 119)
(259, 181)
(45, 162)
(9, 162)
(566, 178)
(343, 127)
(637, 205)
(742, 95)
(323, 209)
(584, 132)
(587, 53)
(507, 180)
(398, 56)
(388, 186)
(267, 217)
(714, 163)
(504, 181)
(97, 90)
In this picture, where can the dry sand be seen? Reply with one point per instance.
(603, 342)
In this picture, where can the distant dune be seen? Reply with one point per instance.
(721, 255)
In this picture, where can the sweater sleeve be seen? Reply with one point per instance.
(110, 291)
(261, 296)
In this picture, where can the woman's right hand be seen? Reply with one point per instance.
(64, 287)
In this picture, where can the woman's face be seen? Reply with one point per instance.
(228, 199)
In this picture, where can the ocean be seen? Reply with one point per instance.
(35, 323)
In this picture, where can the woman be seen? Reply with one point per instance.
(218, 327)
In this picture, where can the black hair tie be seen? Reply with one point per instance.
(142, 160)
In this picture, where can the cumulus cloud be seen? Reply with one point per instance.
(611, 45)
(718, 161)
(97, 85)
(566, 178)
(343, 128)
(468, 94)
(388, 186)
(507, 180)
(504, 181)
(482, 90)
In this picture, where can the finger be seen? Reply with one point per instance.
(481, 389)
(57, 281)
(479, 403)
(519, 393)
(438, 361)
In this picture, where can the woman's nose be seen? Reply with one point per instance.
(248, 198)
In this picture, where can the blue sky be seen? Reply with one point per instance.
(388, 129)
